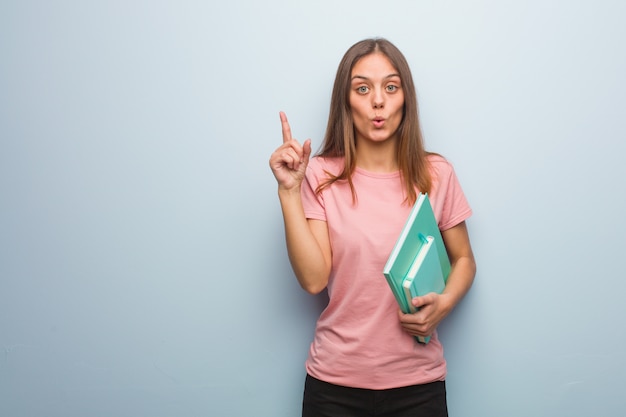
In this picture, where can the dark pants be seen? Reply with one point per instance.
(322, 399)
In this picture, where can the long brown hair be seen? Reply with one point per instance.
(339, 140)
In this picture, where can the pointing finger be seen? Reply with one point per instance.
(286, 128)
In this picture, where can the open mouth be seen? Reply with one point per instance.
(378, 122)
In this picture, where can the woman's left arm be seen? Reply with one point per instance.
(435, 307)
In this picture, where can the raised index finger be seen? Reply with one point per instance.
(286, 128)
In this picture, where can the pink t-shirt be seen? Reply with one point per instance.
(358, 339)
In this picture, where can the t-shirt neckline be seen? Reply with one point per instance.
(372, 174)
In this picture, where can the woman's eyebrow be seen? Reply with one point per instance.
(363, 77)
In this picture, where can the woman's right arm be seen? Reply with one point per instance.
(308, 243)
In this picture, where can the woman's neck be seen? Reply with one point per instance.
(377, 157)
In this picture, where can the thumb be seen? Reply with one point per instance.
(419, 301)
(306, 150)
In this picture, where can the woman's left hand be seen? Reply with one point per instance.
(432, 308)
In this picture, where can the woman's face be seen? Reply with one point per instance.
(376, 98)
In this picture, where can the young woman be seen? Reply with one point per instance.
(343, 211)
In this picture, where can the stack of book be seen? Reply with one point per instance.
(418, 263)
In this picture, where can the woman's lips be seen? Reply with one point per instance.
(378, 122)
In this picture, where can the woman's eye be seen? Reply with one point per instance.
(362, 89)
(392, 88)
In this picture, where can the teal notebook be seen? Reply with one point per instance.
(422, 221)
(424, 276)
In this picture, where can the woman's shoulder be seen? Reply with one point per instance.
(440, 167)
(435, 158)
(438, 161)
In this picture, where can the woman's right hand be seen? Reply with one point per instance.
(289, 161)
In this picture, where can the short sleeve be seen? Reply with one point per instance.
(312, 202)
(447, 197)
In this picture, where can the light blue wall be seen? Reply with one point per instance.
(135, 197)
